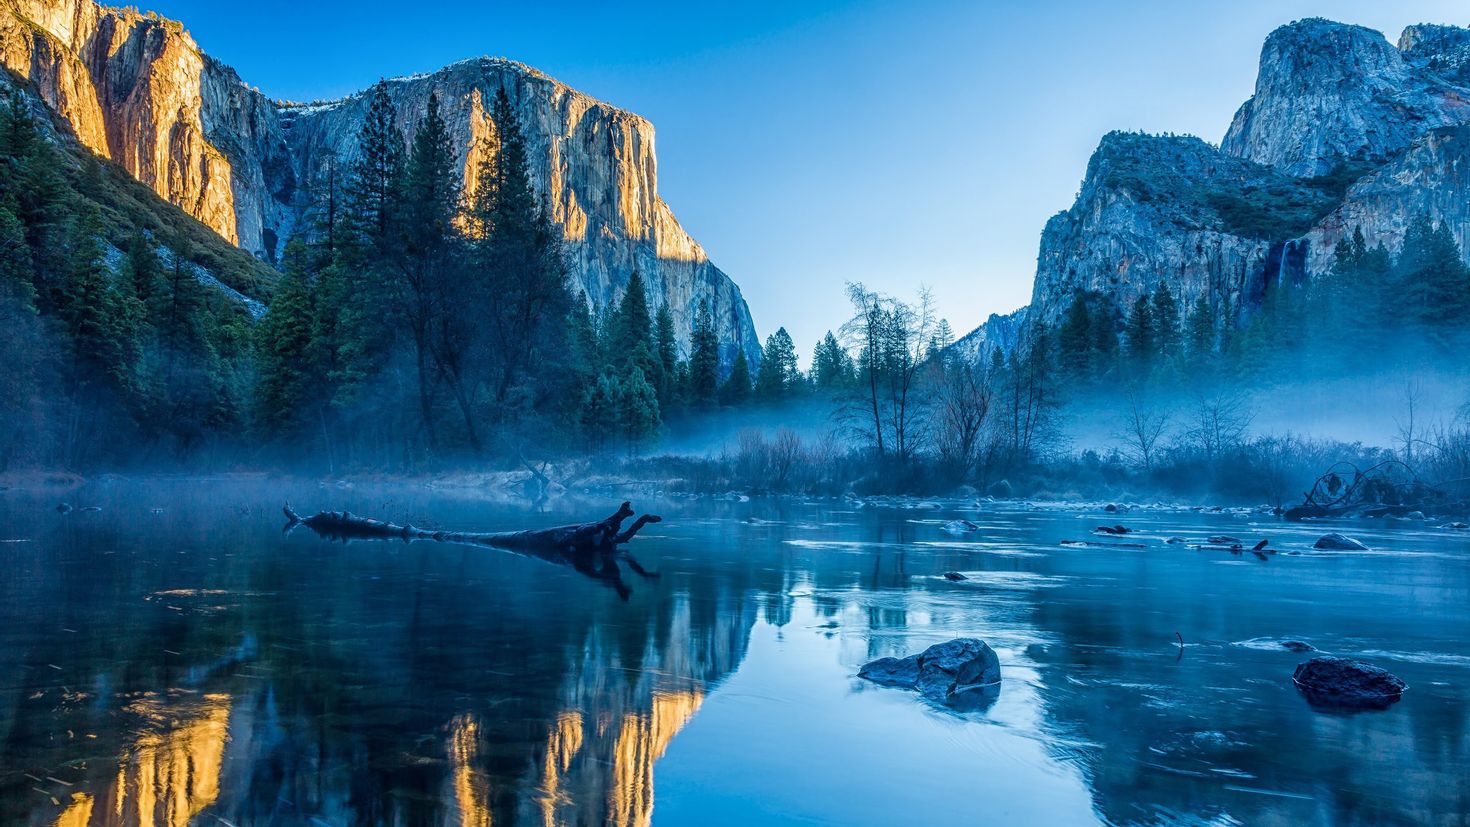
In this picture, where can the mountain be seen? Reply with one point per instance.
(136, 88)
(1345, 132)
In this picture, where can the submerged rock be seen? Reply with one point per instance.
(1112, 529)
(1343, 683)
(941, 671)
(954, 575)
(1297, 646)
(960, 526)
(1339, 542)
(63, 508)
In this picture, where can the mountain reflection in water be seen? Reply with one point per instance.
(199, 667)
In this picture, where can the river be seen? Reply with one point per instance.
(175, 657)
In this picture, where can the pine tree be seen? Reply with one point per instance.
(600, 410)
(426, 286)
(285, 349)
(666, 347)
(376, 177)
(40, 199)
(521, 252)
(778, 376)
(939, 341)
(141, 267)
(1075, 339)
(1434, 281)
(17, 280)
(736, 390)
(831, 365)
(1202, 332)
(638, 413)
(103, 347)
(631, 336)
(1168, 335)
(1106, 348)
(704, 359)
(1142, 339)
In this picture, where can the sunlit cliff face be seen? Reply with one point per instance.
(137, 89)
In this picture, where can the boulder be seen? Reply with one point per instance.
(902, 672)
(1343, 683)
(1338, 542)
(941, 671)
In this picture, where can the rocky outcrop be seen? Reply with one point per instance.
(941, 671)
(129, 84)
(1431, 178)
(1172, 210)
(1345, 132)
(1342, 683)
(1328, 93)
(137, 89)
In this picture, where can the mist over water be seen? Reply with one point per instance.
(174, 657)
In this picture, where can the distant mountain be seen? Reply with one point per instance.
(1345, 132)
(135, 88)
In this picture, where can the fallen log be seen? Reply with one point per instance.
(1389, 489)
(590, 548)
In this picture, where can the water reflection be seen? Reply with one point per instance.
(197, 667)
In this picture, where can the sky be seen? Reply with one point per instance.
(805, 145)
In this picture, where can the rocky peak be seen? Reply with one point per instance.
(1331, 92)
(1444, 50)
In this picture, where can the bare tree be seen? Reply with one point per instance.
(891, 338)
(1141, 431)
(963, 393)
(1029, 400)
(1217, 423)
(1409, 428)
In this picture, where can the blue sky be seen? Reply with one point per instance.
(807, 144)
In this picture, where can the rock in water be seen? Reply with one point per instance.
(1342, 683)
(1339, 542)
(1297, 646)
(960, 526)
(941, 671)
(63, 508)
(902, 672)
(954, 575)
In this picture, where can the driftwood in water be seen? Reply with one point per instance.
(1389, 489)
(590, 548)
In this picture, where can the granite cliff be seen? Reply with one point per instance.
(136, 88)
(1345, 132)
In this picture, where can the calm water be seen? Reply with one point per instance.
(195, 665)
